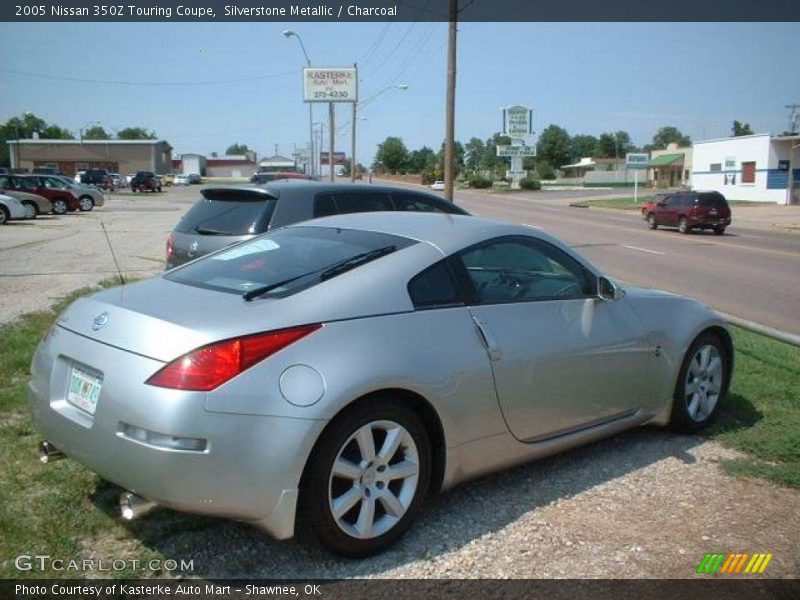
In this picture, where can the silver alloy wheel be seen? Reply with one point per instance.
(86, 203)
(60, 206)
(369, 489)
(651, 220)
(30, 210)
(703, 382)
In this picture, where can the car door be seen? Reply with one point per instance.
(562, 359)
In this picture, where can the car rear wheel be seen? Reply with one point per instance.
(86, 203)
(651, 221)
(60, 206)
(4, 216)
(30, 209)
(683, 225)
(367, 478)
(720, 230)
(702, 383)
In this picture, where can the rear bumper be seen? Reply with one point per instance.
(248, 469)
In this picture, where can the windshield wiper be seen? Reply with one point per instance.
(207, 231)
(327, 272)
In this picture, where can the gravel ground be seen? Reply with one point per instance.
(647, 503)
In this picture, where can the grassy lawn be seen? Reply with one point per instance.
(65, 511)
(627, 203)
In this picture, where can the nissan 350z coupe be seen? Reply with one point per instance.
(334, 374)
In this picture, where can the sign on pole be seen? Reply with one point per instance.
(330, 84)
(513, 151)
(635, 160)
(517, 122)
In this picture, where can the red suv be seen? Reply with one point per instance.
(689, 210)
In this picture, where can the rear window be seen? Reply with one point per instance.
(421, 203)
(238, 215)
(712, 200)
(299, 254)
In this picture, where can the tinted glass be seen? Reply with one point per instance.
(303, 252)
(523, 269)
(434, 287)
(712, 200)
(421, 203)
(324, 206)
(227, 217)
(353, 202)
(25, 183)
(52, 182)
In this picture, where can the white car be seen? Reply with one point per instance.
(181, 180)
(78, 176)
(437, 186)
(10, 208)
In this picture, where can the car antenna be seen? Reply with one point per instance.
(113, 254)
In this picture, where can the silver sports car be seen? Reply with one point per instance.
(334, 374)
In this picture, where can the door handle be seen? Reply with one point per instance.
(492, 349)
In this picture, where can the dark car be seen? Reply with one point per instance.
(225, 215)
(262, 178)
(98, 178)
(145, 181)
(689, 210)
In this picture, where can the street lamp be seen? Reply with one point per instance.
(287, 33)
(353, 161)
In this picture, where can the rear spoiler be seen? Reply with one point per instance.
(239, 194)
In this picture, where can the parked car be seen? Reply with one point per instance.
(437, 186)
(688, 210)
(97, 177)
(228, 214)
(62, 198)
(11, 208)
(78, 176)
(194, 178)
(145, 181)
(167, 180)
(181, 179)
(46, 171)
(337, 373)
(88, 195)
(261, 178)
(34, 204)
(117, 180)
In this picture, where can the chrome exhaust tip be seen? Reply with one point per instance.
(132, 506)
(49, 453)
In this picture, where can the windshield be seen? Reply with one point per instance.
(295, 257)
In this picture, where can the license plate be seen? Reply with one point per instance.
(84, 389)
(713, 211)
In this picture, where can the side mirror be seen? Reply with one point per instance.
(608, 290)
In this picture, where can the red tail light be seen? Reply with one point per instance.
(208, 367)
(170, 247)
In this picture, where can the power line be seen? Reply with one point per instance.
(147, 83)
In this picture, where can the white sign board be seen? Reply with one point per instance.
(516, 151)
(637, 160)
(517, 121)
(330, 85)
(516, 174)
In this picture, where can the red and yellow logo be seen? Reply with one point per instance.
(721, 562)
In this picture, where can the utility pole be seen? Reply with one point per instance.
(353, 139)
(332, 127)
(794, 118)
(449, 140)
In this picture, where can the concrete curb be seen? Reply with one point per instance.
(771, 332)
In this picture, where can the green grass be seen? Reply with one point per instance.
(623, 203)
(65, 511)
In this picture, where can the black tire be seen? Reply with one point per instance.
(683, 226)
(317, 482)
(719, 230)
(86, 203)
(31, 205)
(4, 216)
(60, 206)
(682, 419)
(651, 221)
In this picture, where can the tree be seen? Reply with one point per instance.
(554, 146)
(458, 158)
(741, 129)
(474, 152)
(422, 160)
(25, 127)
(614, 145)
(669, 135)
(491, 162)
(582, 145)
(392, 155)
(237, 149)
(96, 132)
(136, 133)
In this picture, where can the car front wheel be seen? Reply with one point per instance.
(86, 203)
(60, 206)
(367, 478)
(702, 383)
(651, 221)
(719, 230)
(683, 225)
(30, 210)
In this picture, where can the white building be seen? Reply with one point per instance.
(749, 167)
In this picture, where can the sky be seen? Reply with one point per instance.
(204, 86)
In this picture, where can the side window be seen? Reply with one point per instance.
(433, 287)
(324, 206)
(4, 183)
(419, 203)
(54, 183)
(522, 269)
(353, 202)
(672, 201)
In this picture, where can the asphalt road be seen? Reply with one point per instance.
(751, 274)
